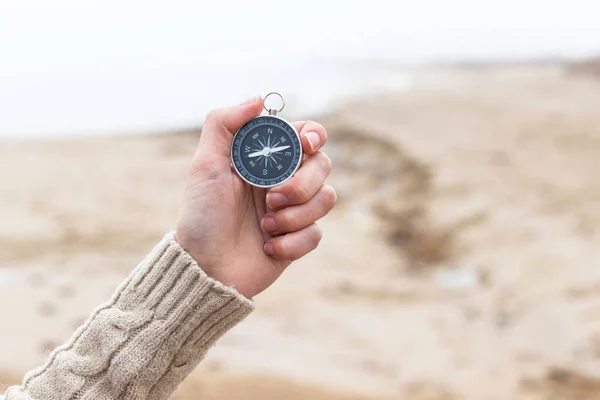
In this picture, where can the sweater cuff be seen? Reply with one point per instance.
(155, 330)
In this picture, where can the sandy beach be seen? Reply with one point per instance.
(460, 264)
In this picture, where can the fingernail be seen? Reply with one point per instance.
(268, 224)
(269, 249)
(249, 101)
(275, 200)
(313, 140)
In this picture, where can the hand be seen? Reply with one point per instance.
(245, 236)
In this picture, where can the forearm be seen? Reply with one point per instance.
(146, 340)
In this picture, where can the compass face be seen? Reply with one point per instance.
(266, 151)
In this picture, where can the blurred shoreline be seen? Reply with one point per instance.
(120, 103)
(460, 263)
(165, 100)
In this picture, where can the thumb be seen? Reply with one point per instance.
(221, 124)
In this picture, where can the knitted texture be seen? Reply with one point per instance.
(146, 340)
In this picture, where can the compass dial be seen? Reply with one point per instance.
(266, 151)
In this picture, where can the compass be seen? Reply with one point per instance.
(266, 151)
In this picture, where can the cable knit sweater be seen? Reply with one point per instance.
(146, 339)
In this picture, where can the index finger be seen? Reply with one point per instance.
(312, 135)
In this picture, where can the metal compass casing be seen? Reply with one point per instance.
(267, 150)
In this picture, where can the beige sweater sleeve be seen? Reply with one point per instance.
(146, 340)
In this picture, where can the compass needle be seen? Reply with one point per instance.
(257, 154)
(281, 148)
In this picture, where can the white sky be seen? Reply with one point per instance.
(76, 65)
(73, 34)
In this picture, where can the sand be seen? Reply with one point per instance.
(461, 262)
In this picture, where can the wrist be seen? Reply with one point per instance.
(189, 244)
(211, 267)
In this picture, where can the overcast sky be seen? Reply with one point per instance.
(62, 34)
(82, 66)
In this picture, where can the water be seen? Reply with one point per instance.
(71, 67)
